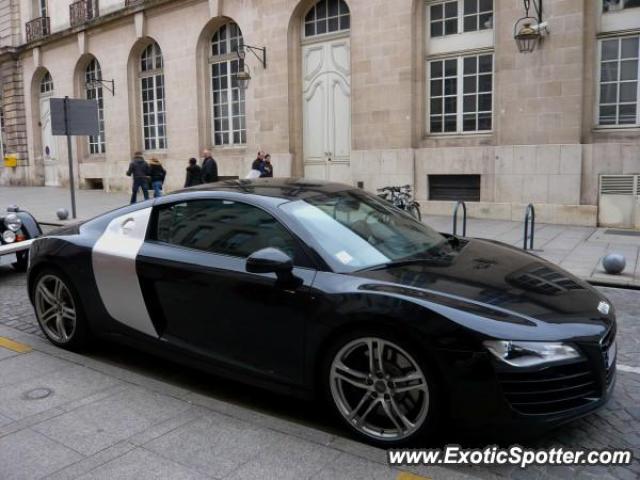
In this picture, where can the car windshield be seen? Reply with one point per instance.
(354, 230)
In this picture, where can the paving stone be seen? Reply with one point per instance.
(288, 458)
(28, 455)
(350, 467)
(101, 424)
(141, 464)
(216, 443)
(27, 366)
(70, 383)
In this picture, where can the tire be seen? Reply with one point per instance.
(387, 408)
(22, 261)
(59, 311)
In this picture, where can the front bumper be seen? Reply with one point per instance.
(485, 395)
(15, 247)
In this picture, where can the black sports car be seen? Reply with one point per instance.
(17, 230)
(322, 289)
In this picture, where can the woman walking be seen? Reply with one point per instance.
(157, 174)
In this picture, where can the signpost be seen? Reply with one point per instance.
(71, 116)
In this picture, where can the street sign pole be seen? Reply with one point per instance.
(73, 116)
(70, 156)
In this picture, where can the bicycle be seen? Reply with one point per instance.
(401, 197)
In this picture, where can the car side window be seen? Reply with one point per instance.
(226, 227)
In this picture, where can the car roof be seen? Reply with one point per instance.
(293, 188)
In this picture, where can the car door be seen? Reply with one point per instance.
(200, 296)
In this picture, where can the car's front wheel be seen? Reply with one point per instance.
(58, 310)
(380, 388)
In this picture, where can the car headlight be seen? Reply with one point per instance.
(9, 236)
(530, 354)
(12, 222)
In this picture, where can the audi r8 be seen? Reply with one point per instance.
(323, 290)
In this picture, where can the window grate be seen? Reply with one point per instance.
(618, 185)
(454, 187)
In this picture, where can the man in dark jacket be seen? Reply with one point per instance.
(194, 174)
(139, 171)
(209, 168)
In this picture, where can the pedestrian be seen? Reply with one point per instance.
(257, 167)
(209, 168)
(267, 169)
(157, 174)
(194, 174)
(139, 172)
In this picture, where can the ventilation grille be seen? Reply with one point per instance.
(619, 185)
(551, 390)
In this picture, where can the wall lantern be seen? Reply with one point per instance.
(528, 30)
(95, 82)
(241, 51)
(242, 77)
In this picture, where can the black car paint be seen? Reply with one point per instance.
(212, 314)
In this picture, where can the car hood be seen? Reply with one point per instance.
(500, 282)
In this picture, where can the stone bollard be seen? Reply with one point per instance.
(614, 263)
(62, 213)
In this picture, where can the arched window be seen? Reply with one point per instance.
(46, 84)
(94, 92)
(154, 121)
(227, 98)
(327, 16)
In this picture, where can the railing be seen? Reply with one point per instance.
(82, 11)
(464, 218)
(529, 227)
(37, 28)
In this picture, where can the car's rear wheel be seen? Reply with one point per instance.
(59, 311)
(380, 388)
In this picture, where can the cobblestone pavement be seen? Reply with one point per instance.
(117, 413)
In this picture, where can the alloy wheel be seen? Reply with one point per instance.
(55, 308)
(379, 389)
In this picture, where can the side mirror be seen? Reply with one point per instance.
(270, 260)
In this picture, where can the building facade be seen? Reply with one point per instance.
(369, 92)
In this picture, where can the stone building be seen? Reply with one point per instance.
(432, 93)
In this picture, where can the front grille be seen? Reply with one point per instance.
(605, 345)
(552, 390)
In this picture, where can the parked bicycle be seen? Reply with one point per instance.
(401, 197)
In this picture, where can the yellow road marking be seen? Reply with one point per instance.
(410, 476)
(14, 346)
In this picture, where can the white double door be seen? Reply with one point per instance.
(326, 75)
(49, 156)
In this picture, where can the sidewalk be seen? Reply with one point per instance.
(577, 249)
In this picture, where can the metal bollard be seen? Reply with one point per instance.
(464, 218)
(529, 232)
